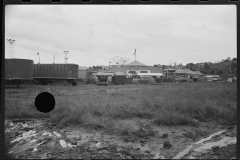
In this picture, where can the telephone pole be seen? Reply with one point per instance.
(54, 59)
(66, 56)
(228, 67)
(90, 44)
(11, 51)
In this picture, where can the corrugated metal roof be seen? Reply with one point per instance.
(120, 73)
(103, 73)
(146, 74)
(117, 69)
(198, 73)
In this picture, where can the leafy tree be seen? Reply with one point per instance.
(190, 65)
(210, 63)
(164, 66)
(180, 65)
(220, 72)
(227, 60)
(233, 66)
(206, 66)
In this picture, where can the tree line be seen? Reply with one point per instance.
(227, 66)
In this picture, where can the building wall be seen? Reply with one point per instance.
(137, 69)
(82, 74)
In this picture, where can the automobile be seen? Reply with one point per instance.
(102, 80)
(178, 78)
(213, 78)
(146, 80)
(182, 79)
(230, 80)
(220, 79)
(216, 78)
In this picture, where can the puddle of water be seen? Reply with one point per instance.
(183, 153)
(203, 147)
(223, 142)
(209, 137)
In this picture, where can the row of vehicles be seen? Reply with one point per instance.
(147, 78)
(121, 78)
(213, 78)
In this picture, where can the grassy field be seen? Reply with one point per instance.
(104, 106)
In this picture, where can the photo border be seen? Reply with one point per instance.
(93, 2)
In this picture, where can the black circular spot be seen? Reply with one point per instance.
(45, 102)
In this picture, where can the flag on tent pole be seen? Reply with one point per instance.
(135, 54)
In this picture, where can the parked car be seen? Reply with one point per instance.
(220, 79)
(230, 80)
(102, 80)
(146, 80)
(213, 78)
(182, 79)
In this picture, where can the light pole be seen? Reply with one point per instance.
(11, 42)
(66, 56)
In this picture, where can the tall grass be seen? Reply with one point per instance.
(181, 104)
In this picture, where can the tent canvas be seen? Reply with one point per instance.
(135, 63)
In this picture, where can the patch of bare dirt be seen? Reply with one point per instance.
(35, 139)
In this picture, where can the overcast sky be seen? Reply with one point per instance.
(161, 34)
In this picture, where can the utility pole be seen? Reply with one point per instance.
(66, 56)
(90, 44)
(228, 67)
(89, 49)
(38, 58)
(167, 70)
(11, 51)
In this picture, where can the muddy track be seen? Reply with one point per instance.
(37, 139)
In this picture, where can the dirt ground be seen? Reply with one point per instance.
(84, 142)
(37, 138)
